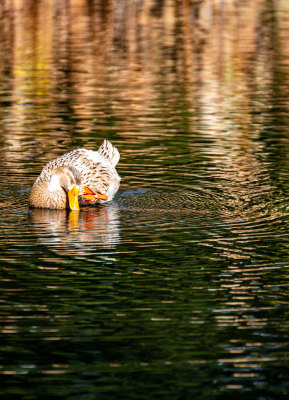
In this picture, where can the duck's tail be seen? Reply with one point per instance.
(110, 152)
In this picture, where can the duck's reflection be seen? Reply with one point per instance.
(77, 232)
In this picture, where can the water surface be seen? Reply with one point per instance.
(178, 288)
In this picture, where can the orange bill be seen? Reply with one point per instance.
(73, 198)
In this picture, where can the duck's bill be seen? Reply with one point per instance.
(73, 198)
(91, 196)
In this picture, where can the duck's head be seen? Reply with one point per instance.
(69, 179)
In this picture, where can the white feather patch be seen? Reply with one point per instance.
(93, 156)
(54, 183)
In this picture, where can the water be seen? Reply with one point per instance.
(177, 289)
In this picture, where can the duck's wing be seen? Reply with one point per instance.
(98, 169)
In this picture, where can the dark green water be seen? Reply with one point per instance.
(178, 288)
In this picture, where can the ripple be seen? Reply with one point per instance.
(175, 202)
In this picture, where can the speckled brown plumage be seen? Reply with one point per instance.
(94, 169)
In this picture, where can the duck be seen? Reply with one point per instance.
(80, 177)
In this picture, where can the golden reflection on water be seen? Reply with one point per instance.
(130, 57)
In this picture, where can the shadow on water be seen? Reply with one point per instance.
(189, 265)
(197, 273)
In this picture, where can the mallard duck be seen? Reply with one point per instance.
(78, 177)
